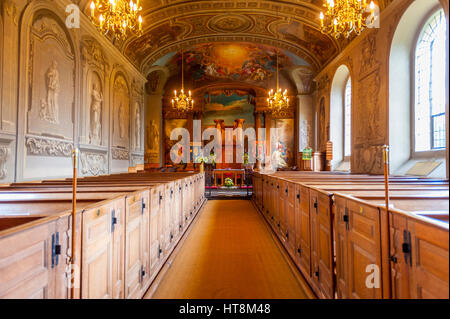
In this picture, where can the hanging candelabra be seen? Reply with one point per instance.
(182, 102)
(343, 17)
(117, 17)
(277, 99)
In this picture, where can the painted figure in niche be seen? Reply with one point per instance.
(96, 109)
(152, 136)
(373, 121)
(122, 120)
(49, 107)
(279, 154)
(322, 123)
(137, 131)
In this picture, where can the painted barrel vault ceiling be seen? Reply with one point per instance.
(290, 24)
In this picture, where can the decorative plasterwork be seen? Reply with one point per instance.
(4, 154)
(93, 55)
(230, 23)
(48, 147)
(44, 26)
(120, 154)
(93, 163)
(368, 52)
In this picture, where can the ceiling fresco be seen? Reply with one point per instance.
(292, 25)
(244, 62)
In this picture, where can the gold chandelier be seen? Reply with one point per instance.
(342, 17)
(182, 102)
(277, 99)
(117, 17)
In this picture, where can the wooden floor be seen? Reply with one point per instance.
(230, 253)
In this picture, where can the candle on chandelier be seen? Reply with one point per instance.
(321, 19)
(140, 23)
(101, 20)
(92, 8)
(335, 25)
(372, 8)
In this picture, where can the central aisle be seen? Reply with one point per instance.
(230, 253)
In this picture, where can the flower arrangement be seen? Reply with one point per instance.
(228, 182)
(212, 158)
(201, 159)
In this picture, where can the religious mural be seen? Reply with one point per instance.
(251, 63)
(282, 142)
(169, 125)
(228, 107)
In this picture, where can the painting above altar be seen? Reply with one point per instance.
(228, 107)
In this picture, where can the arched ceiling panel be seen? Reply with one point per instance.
(288, 24)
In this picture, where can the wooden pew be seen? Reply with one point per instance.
(34, 244)
(161, 185)
(311, 216)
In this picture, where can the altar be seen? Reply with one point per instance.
(229, 172)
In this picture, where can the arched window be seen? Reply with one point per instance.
(348, 118)
(430, 68)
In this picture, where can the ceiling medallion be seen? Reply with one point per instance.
(227, 23)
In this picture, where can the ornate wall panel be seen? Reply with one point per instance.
(94, 119)
(62, 95)
(121, 113)
(52, 80)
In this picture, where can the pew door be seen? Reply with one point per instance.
(314, 239)
(303, 230)
(168, 217)
(399, 265)
(26, 264)
(421, 262)
(324, 235)
(363, 251)
(97, 253)
(430, 261)
(341, 242)
(155, 230)
(282, 208)
(136, 246)
(118, 250)
(290, 218)
(179, 203)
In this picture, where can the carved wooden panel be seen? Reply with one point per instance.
(25, 263)
(97, 254)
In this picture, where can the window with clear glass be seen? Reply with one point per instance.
(348, 118)
(430, 66)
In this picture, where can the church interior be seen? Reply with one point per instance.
(224, 149)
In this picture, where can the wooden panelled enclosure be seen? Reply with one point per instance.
(127, 226)
(347, 246)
